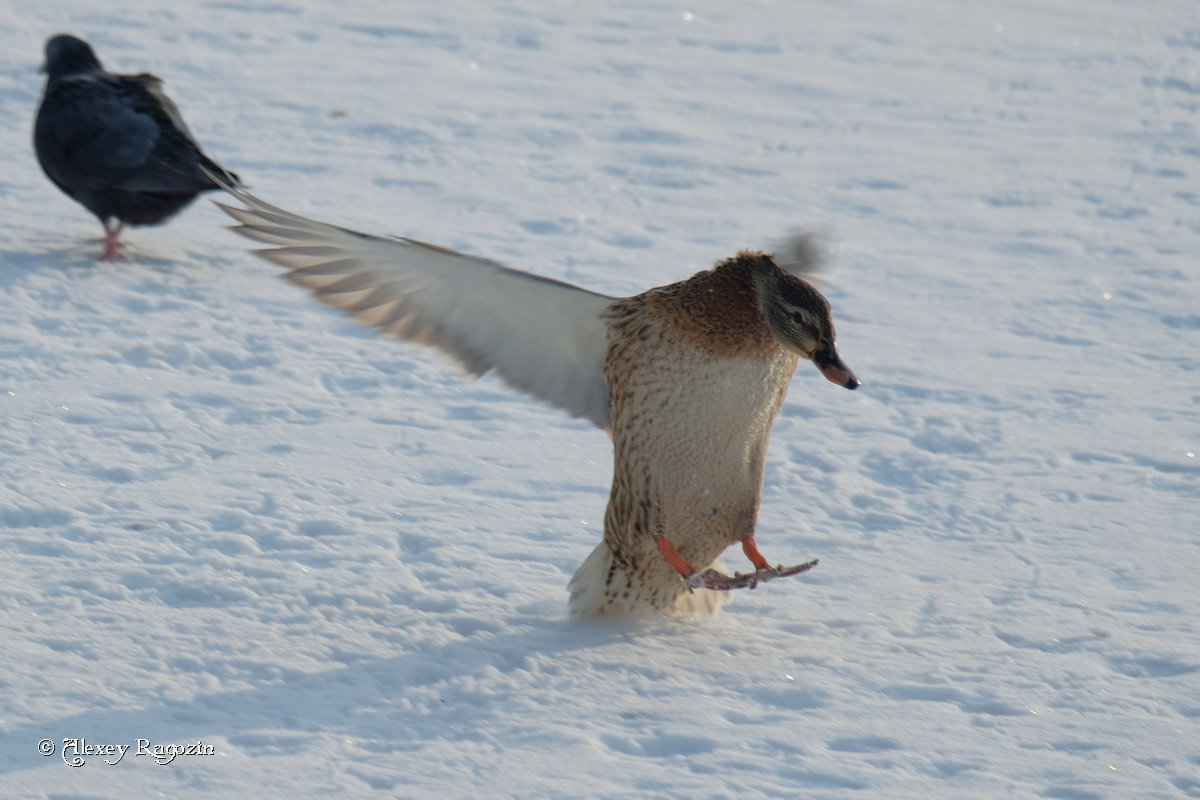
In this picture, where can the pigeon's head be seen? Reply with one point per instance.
(68, 55)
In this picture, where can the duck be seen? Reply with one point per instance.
(687, 380)
(116, 144)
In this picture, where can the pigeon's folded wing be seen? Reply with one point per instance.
(93, 134)
(176, 164)
(543, 336)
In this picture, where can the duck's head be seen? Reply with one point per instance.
(799, 318)
(68, 55)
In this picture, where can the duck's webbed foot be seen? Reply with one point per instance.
(711, 579)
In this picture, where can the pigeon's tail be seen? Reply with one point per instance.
(601, 587)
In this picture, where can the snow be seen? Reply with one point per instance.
(230, 516)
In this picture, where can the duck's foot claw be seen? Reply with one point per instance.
(711, 579)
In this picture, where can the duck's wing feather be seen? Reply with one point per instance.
(802, 254)
(544, 337)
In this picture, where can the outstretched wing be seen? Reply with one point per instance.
(800, 253)
(543, 336)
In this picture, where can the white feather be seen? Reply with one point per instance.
(543, 336)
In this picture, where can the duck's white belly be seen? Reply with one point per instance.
(690, 436)
(714, 430)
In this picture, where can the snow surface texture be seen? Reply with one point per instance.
(229, 515)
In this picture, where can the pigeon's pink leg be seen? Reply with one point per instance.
(112, 247)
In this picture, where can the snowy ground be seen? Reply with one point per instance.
(228, 515)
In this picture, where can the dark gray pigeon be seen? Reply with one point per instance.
(116, 144)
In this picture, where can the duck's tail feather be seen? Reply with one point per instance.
(601, 587)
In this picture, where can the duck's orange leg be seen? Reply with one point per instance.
(711, 579)
(751, 551)
(681, 565)
(673, 558)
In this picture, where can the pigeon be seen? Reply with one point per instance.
(686, 379)
(116, 144)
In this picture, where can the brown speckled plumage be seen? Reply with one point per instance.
(695, 381)
(687, 379)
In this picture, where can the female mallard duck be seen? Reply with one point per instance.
(687, 380)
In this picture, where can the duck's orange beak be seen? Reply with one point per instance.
(831, 366)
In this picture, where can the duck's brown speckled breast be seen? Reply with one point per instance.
(695, 381)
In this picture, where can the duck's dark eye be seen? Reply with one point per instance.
(798, 317)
